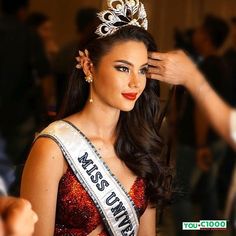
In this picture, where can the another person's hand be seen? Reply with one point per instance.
(19, 218)
(173, 67)
(204, 159)
(177, 68)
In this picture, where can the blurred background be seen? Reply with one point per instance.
(204, 185)
(164, 15)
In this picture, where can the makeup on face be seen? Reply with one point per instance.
(127, 67)
(120, 78)
(130, 96)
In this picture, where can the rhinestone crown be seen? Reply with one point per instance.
(121, 13)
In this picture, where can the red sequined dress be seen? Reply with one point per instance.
(76, 213)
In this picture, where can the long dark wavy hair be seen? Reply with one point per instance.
(138, 143)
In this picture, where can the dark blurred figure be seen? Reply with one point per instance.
(228, 167)
(207, 40)
(86, 21)
(182, 116)
(183, 40)
(43, 25)
(230, 56)
(199, 150)
(24, 75)
(211, 149)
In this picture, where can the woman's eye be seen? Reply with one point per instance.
(144, 71)
(122, 68)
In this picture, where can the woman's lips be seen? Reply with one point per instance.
(130, 96)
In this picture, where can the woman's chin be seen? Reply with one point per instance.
(127, 107)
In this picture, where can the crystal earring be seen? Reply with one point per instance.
(89, 78)
(91, 98)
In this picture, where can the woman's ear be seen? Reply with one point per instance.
(87, 67)
(85, 62)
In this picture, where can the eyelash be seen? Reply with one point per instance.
(126, 69)
(122, 68)
(144, 71)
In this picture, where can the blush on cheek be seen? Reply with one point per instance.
(143, 89)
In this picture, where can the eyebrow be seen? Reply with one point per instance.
(129, 63)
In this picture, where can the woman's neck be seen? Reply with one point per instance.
(100, 120)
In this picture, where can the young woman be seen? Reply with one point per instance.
(98, 171)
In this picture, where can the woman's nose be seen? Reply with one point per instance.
(134, 81)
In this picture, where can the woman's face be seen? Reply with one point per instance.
(120, 77)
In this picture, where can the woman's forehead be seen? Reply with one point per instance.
(128, 49)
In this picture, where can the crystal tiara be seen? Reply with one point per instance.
(121, 13)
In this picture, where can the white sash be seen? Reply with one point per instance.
(115, 206)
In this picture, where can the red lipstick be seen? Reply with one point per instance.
(130, 96)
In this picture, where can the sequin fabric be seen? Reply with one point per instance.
(77, 215)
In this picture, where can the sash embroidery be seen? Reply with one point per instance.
(116, 207)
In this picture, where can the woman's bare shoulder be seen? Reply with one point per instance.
(44, 144)
(46, 153)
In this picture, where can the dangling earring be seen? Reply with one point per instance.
(89, 79)
(91, 97)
